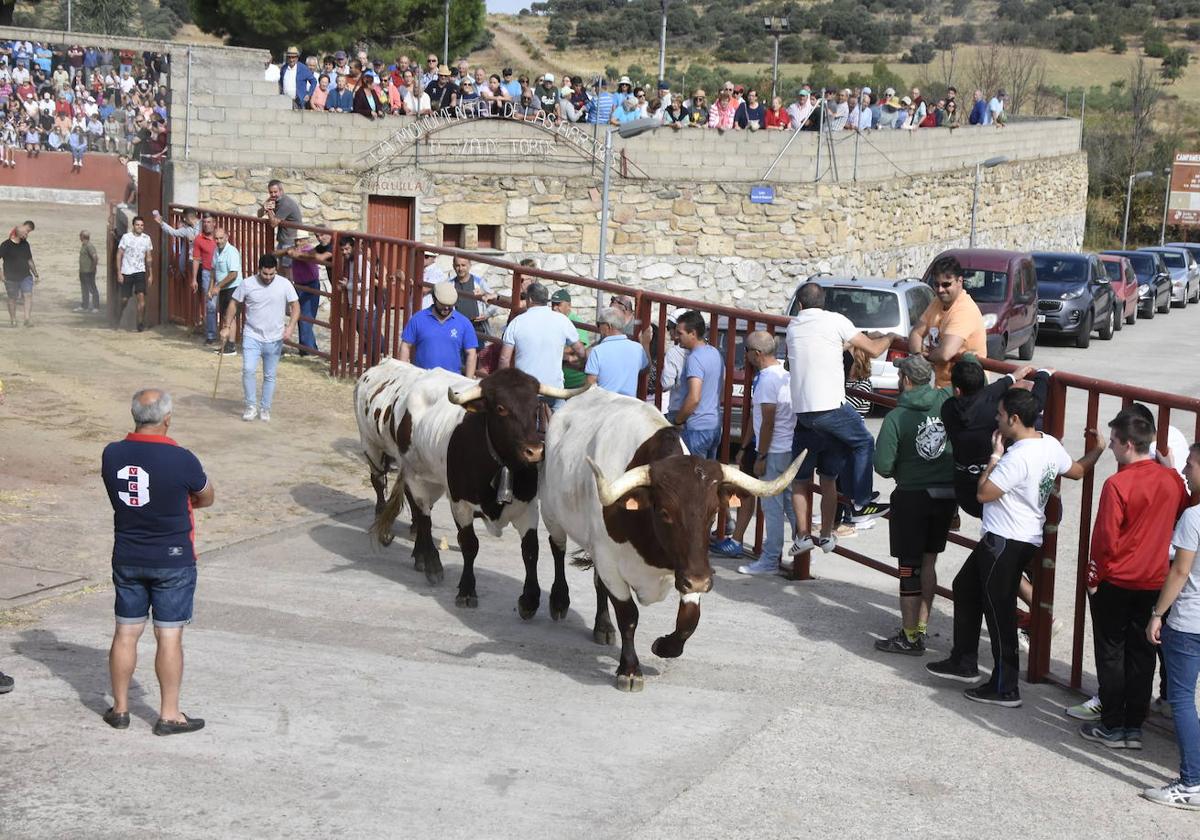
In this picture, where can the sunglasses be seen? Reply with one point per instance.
(944, 285)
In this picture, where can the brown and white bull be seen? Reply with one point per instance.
(619, 481)
(477, 440)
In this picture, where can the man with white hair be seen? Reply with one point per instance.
(153, 485)
(615, 361)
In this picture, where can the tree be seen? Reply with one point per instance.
(558, 32)
(920, 53)
(325, 25)
(1118, 45)
(1174, 63)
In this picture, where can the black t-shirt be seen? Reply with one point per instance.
(16, 257)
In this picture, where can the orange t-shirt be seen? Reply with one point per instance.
(962, 319)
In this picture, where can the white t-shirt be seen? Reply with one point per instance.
(1185, 612)
(538, 336)
(773, 387)
(266, 306)
(816, 340)
(1026, 474)
(133, 261)
(1178, 445)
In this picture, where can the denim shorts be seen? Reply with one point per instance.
(168, 592)
(17, 289)
(825, 456)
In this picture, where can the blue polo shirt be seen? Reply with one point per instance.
(616, 362)
(225, 260)
(704, 363)
(439, 344)
(150, 479)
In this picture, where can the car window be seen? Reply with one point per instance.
(1173, 259)
(867, 309)
(918, 301)
(986, 286)
(1113, 270)
(1061, 270)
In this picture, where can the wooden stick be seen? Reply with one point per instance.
(220, 361)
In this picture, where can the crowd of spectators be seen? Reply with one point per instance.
(77, 99)
(376, 88)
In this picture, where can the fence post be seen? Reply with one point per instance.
(336, 307)
(1040, 612)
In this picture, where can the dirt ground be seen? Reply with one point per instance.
(67, 383)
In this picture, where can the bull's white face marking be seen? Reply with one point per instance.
(690, 598)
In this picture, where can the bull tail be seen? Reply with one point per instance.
(386, 517)
(581, 560)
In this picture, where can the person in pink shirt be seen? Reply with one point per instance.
(320, 94)
(722, 112)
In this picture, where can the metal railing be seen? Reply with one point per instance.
(375, 288)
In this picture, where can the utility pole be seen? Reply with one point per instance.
(662, 44)
(446, 37)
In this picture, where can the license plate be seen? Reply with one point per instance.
(1041, 319)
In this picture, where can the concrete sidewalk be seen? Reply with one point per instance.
(347, 698)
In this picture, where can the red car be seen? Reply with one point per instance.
(1124, 284)
(1004, 286)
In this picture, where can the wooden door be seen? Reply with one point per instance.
(390, 215)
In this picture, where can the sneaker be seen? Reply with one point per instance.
(264, 415)
(808, 543)
(1160, 706)
(761, 566)
(1088, 710)
(989, 695)
(727, 547)
(869, 511)
(141, 328)
(899, 643)
(6, 683)
(80, 309)
(230, 349)
(1175, 795)
(845, 532)
(94, 310)
(1133, 739)
(170, 727)
(948, 669)
(1114, 739)
(250, 413)
(117, 720)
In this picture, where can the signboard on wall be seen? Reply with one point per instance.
(1183, 206)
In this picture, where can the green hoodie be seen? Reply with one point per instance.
(913, 446)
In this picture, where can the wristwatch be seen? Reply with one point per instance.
(1155, 613)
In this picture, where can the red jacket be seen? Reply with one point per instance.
(1131, 540)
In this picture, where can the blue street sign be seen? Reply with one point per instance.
(762, 195)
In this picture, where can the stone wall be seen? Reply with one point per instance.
(704, 239)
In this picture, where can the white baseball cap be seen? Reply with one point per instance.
(549, 77)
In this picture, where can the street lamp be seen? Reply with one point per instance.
(446, 37)
(777, 26)
(984, 164)
(1137, 176)
(1162, 235)
(630, 129)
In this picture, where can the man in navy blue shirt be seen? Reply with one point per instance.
(153, 484)
(440, 336)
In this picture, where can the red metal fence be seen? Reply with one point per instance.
(375, 286)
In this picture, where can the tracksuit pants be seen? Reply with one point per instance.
(1124, 658)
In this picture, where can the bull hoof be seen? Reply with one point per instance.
(667, 647)
(386, 539)
(526, 612)
(559, 606)
(469, 601)
(604, 636)
(419, 564)
(433, 574)
(630, 682)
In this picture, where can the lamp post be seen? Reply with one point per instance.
(1137, 176)
(1162, 234)
(979, 167)
(662, 44)
(68, 15)
(446, 37)
(630, 129)
(778, 27)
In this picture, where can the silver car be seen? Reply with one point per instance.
(1185, 273)
(874, 304)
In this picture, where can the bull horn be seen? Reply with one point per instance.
(560, 393)
(475, 392)
(758, 487)
(630, 480)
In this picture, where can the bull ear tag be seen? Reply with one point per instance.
(632, 504)
(504, 486)
(735, 501)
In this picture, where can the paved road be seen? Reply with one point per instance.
(346, 697)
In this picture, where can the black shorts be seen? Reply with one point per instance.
(135, 284)
(746, 458)
(919, 523)
(223, 298)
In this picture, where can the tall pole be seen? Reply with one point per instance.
(1128, 197)
(1162, 234)
(604, 215)
(975, 203)
(662, 45)
(68, 15)
(446, 37)
(775, 71)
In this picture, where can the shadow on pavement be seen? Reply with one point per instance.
(85, 669)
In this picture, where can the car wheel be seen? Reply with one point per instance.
(1148, 312)
(1118, 316)
(1131, 318)
(1106, 331)
(1025, 351)
(1196, 296)
(1085, 334)
(1165, 308)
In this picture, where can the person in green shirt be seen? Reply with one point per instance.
(573, 375)
(914, 449)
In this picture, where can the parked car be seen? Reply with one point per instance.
(1074, 297)
(1194, 247)
(1004, 286)
(1124, 285)
(1184, 271)
(1154, 283)
(874, 304)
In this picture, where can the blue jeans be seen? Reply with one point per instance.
(170, 592)
(776, 508)
(210, 304)
(308, 308)
(843, 428)
(1182, 653)
(252, 351)
(703, 443)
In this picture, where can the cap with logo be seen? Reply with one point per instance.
(915, 368)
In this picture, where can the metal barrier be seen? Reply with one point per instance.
(375, 287)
